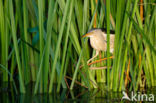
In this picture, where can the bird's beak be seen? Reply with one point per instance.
(87, 35)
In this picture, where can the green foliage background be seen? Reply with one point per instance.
(40, 41)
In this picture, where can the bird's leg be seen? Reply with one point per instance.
(97, 52)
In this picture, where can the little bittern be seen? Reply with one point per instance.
(98, 41)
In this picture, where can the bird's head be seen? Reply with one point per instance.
(92, 33)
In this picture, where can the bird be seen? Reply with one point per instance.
(98, 41)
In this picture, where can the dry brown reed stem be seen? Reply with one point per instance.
(67, 77)
(141, 10)
(127, 74)
(95, 17)
(97, 61)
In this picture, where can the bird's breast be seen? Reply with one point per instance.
(98, 43)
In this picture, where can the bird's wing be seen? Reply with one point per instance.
(104, 36)
(112, 36)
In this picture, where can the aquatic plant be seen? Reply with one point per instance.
(40, 42)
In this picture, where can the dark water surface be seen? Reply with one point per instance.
(80, 95)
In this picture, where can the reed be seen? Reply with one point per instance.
(40, 42)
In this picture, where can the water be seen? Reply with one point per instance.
(7, 95)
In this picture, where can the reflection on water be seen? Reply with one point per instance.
(7, 95)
